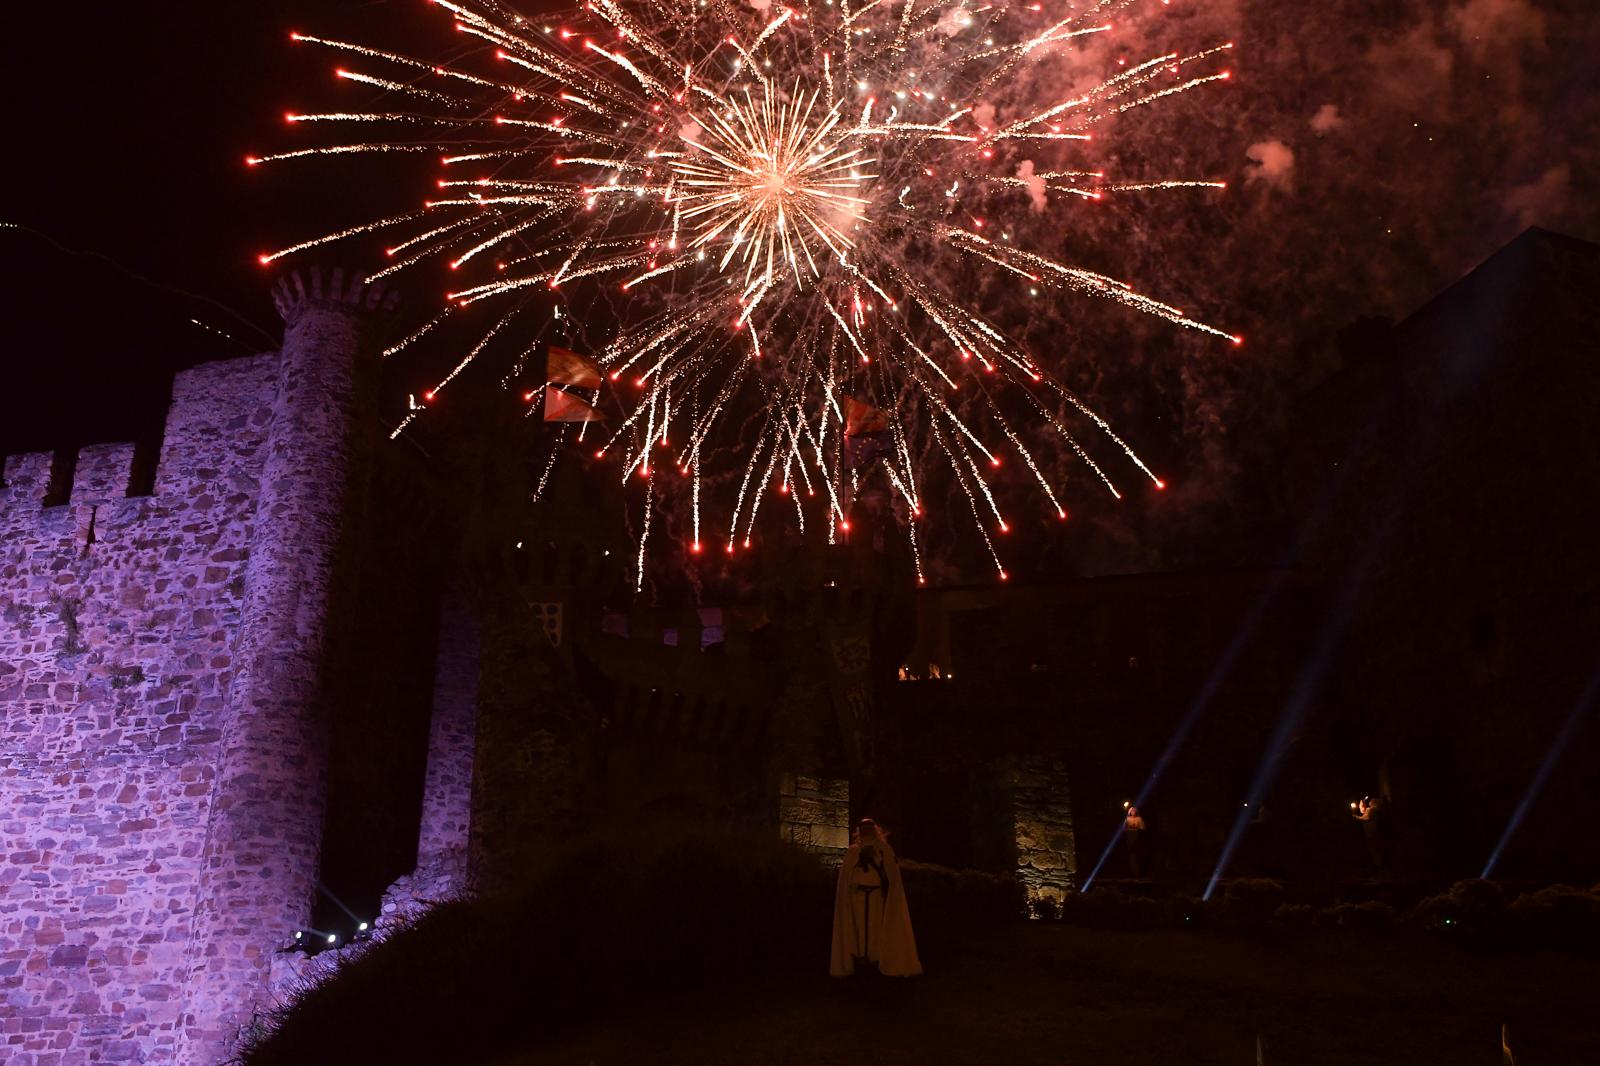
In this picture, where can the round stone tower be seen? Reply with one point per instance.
(263, 841)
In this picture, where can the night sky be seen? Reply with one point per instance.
(1374, 152)
(129, 145)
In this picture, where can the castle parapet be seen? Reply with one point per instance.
(97, 474)
(262, 850)
(216, 426)
(161, 655)
(104, 473)
(334, 289)
(27, 479)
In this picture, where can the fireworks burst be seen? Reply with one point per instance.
(779, 197)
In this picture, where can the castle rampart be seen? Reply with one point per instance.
(160, 761)
(118, 620)
(447, 789)
(262, 846)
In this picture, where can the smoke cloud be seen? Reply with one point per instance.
(1034, 185)
(1483, 26)
(1545, 202)
(1416, 139)
(1271, 161)
(1327, 120)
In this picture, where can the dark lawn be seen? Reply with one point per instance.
(1065, 994)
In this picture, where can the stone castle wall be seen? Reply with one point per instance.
(119, 619)
(163, 669)
(259, 871)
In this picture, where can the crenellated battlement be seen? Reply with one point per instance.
(656, 660)
(97, 474)
(333, 288)
(209, 458)
(103, 472)
(161, 629)
(27, 477)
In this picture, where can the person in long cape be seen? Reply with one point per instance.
(871, 921)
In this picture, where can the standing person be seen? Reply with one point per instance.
(1133, 836)
(871, 923)
(1367, 811)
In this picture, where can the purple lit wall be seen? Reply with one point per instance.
(161, 768)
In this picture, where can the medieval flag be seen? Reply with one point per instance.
(863, 419)
(562, 406)
(866, 433)
(564, 367)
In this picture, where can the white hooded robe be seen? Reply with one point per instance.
(873, 925)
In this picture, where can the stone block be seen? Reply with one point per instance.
(830, 836)
(26, 478)
(812, 812)
(103, 473)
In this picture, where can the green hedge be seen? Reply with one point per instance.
(1114, 910)
(1558, 916)
(942, 898)
(616, 919)
(1371, 916)
(1251, 900)
(1472, 907)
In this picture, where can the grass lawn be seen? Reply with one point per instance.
(1064, 994)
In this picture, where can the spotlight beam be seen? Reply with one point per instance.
(354, 917)
(1312, 674)
(1197, 708)
(1467, 372)
(1331, 494)
(1569, 728)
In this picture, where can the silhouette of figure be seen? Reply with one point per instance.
(1367, 810)
(871, 922)
(1133, 836)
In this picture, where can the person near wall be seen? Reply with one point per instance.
(1133, 836)
(1367, 810)
(871, 921)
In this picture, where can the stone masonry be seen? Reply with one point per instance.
(442, 836)
(160, 765)
(815, 813)
(1024, 809)
(263, 841)
(1041, 819)
(119, 620)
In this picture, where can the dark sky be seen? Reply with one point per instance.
(1374, 153)
(127, 141)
